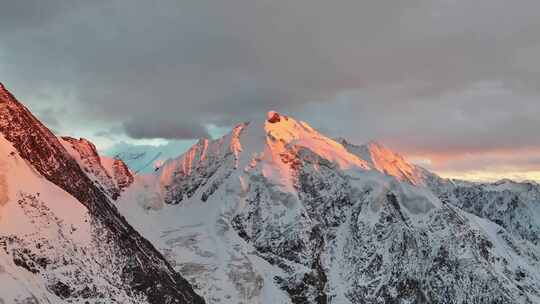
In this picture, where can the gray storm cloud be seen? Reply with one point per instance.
(434, 76)
(165, 129)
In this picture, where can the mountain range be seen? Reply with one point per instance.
(272, 212)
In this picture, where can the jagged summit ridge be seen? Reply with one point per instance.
(273, 145)
(387, 161)
(372, 155)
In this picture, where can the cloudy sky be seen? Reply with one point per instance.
(453, 85)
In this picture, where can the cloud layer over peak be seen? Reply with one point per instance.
(428, 77)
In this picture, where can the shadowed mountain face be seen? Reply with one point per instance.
(275, 212)
(143, 274)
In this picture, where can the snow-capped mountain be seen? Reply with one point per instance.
(61, 238)
(144, 158)
(275, 212)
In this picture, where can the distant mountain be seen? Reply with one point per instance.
(61, 238)
(144, 158)
(275, 212)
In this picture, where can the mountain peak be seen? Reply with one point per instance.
(273, 117)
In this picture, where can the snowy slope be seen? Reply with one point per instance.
(386, 161)
(515, 206)
(61, 238)
(275, 212)
(49, 249)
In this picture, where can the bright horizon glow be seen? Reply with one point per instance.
(487, 176)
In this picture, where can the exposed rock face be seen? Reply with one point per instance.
(112, 175)
(273, 117)
(278, 213)
(121, 174)
(141, 270)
